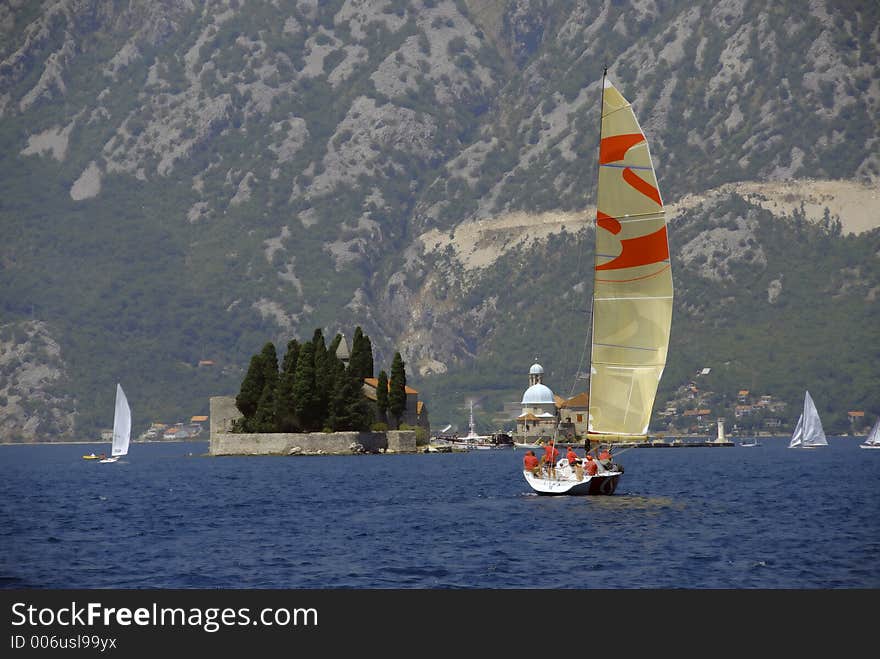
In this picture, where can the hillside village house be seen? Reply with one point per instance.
(856, 418)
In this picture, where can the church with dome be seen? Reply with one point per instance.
(542, 411)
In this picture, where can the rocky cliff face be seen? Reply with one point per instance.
(34, 400)
(300, 163)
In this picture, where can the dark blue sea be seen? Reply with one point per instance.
(169, 516)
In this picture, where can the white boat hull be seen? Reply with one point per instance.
(869, 445)
(566, 481)
(113, 459)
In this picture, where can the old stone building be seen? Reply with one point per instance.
(416, 412)
(542, 411)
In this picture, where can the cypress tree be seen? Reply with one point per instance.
(350, 409)
(382, 396)
(285, 413)
(270, 362)
(355, 361)
(338, 417)
(251, 388)
(304, 400)
(334, 344)
(290, 357)
(323, 377)
(357, 409)
(361, 354)
(264, 418)
(397, 391)
(368, 359)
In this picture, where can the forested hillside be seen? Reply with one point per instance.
(181, 182)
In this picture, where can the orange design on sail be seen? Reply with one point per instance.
(641, 250)
(607, 222)
(614, 148)
(641, 185)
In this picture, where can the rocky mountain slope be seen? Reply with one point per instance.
(181, 181)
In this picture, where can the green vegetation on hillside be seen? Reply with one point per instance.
(314, 143)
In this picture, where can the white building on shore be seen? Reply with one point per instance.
(542, 411)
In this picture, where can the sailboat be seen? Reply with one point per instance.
(808, 432)
(632, 298)
(873, 440)
(121, 427)
(474, 441)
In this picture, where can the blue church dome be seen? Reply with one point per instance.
(538, 394)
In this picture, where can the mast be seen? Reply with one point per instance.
(595, 244)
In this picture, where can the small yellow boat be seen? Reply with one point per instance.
(92, 456)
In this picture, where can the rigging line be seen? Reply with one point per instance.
(580, 363)
(579, 272)
(644, 167)
(620, 345)
(623, 450)
(622, 107)
(589, 336)
(659, 214)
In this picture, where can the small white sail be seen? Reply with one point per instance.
(873, 439)
(797, 436)
(809, 432)
(121, 424)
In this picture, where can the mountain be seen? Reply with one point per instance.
(182, 181)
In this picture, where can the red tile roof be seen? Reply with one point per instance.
(374, 382)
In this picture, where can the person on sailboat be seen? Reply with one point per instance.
(551, 455)
(590, 465)
(605, 457)
(572, 456)
(531, 463)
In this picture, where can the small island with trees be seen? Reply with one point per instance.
(322, 399)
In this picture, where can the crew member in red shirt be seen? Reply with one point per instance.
(551, 455)
(531, 463)
(572, 456)
(591, 466)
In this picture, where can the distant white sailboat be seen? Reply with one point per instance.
(873, 440)
(121, 427)
(808, 432)
(474, 441)
(538, 443)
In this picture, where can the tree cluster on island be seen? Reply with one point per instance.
(314, 390)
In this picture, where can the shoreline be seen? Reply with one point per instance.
(102, 441)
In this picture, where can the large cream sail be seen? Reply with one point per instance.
(632, 291)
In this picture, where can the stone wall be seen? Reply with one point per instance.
(400, 441)
(223, 442)
(223, 413)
